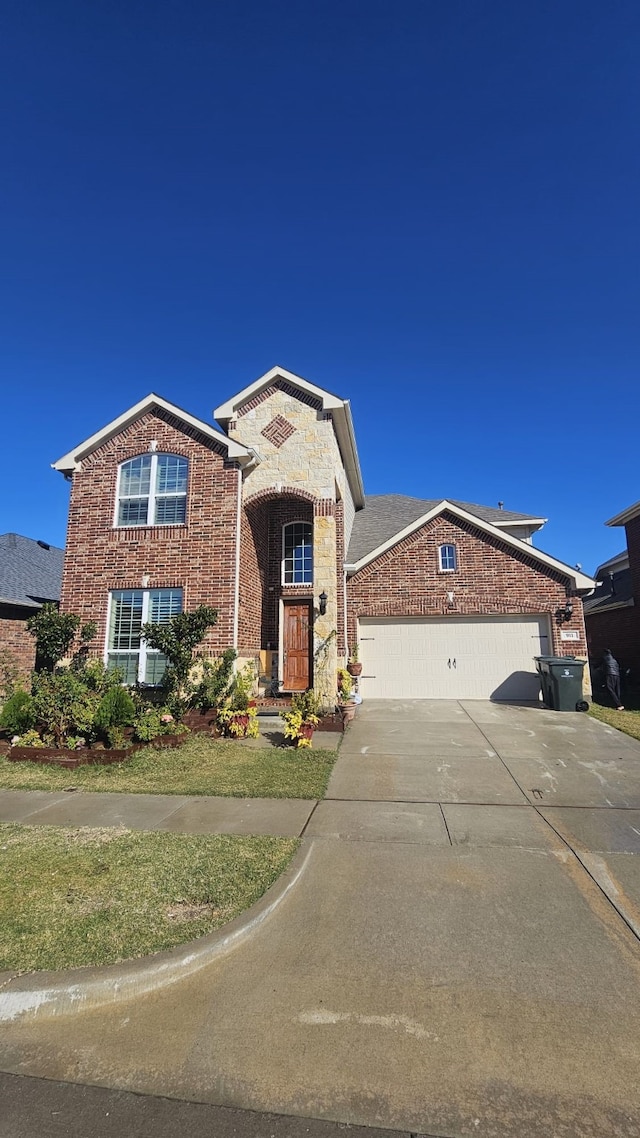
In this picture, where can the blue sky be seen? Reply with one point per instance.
(430, 207)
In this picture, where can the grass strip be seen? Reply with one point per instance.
(627, 720)
(202, 766)
(72, 897)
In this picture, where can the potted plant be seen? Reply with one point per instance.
(301, 722)
(345, 702)
(239, 716)
(354, 667)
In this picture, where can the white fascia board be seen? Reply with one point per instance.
(226, 411)
(531, 523)
(620, 561)
(625, 516)
(581, 581)
(71, 461)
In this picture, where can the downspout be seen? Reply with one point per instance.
(236, 604)
(344, 610)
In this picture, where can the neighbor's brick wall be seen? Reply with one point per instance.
(199, 556)
(633, 548)
(17, 646)
(619, 629)
(491, 578)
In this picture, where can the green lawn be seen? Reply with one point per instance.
(202, 766)
(72, 897)
(627, 720)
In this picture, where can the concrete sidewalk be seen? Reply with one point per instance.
(458, 961)
(278, 817)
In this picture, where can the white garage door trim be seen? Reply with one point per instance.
(470, 657)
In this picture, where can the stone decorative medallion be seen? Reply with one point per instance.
(278, 431)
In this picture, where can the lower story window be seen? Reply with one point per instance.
(129, 609)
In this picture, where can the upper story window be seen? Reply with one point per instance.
(447, 556)
(129, 609)
(152, 491)
(297, 553)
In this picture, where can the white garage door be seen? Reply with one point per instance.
(452, 658)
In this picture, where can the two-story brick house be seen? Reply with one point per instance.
(266, 520)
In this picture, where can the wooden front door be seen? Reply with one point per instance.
(296, 646)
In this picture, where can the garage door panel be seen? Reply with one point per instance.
(454, 658)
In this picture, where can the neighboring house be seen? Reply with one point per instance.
(30, 574)
(267, 521)
(612, 614)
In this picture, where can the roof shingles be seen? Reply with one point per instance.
(386, 515)
(30, 571)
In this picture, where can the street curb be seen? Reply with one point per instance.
(53, 994)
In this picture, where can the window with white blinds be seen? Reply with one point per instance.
(129, 609)
(152, 491)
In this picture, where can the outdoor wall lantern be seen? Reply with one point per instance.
(564, 613)
(323, 598)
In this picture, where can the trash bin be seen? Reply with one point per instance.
(561, 680)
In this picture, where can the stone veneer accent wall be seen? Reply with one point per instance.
(305, 461)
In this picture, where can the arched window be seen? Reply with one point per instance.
(152, 491)
(448, 560)
(297, 553)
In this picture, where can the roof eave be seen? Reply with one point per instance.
(625, 516)
(582, 583)
(71, 462)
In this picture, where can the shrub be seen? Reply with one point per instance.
(215, 684)
(64, 706)
(242, 688)
(177, 640)
(116, 709)
(54, 632)
(29, 739)
(18, 714)
(10, 675)
(153, 721)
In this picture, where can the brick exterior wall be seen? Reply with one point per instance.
(261, 567)
(17, 646)
(491, 578)
(199, 557)
(619, 629)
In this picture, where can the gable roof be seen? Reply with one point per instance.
(387, 514)
(30, 571)
(615, 592)
(71, 461)
(340, 411)
(580, 580)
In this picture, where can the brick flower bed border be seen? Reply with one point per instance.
(86, 756)
(197, 722)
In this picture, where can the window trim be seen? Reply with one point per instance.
(143, 651)
(448, 568)
(152, 496)
(295, 584)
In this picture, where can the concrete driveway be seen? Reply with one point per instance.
(460, 957)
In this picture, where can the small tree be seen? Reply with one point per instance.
(177, 640)
(54, 633)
